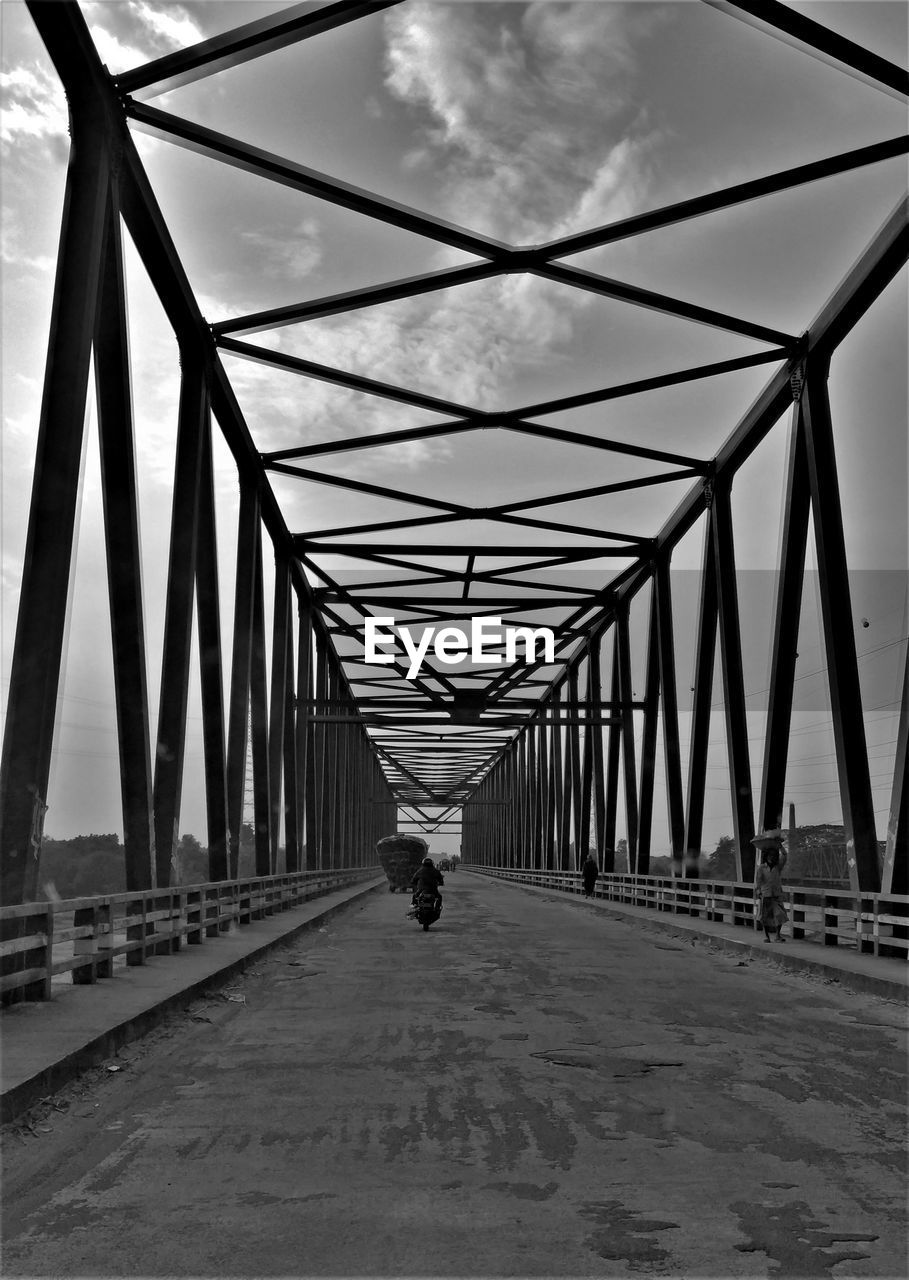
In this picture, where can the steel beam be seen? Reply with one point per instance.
(839, 635)
(590, 282)
(704, 658)
(629, 767)
(306, 544)
(649, 738)
(274, 168)
(553, 799)
(301, 723)
(258, 699)
(672, 760)
(178, 617)
(124, 562)
(241, 44)
(279, 674)
(811, 37)
(241, 666)
(612, 769)
(862, 285)
(320, 769)
(208, 612)
(533, 814)
(733, 681)
(44, 595)
(787, 612)
(313, 767)
(292, 812)
(729, 197)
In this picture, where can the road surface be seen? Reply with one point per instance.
(530, 1089)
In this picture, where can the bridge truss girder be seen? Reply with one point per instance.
(522, 796)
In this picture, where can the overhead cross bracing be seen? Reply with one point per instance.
(554, 498)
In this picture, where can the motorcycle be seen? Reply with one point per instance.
(426, 908)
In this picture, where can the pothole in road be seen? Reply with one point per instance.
(494, 1008)
(599, 1062)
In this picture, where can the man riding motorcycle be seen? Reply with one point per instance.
(427, 877)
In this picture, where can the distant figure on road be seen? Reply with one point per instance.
(589, 873)
(768, 883)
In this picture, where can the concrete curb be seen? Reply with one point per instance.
(99, 1046)
(853, 979)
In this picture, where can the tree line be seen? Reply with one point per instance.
(87, 866)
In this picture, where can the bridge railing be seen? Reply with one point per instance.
(874, 923)
(83, 939)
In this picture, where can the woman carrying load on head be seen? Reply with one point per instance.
(768, 884)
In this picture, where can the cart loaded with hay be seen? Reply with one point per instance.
(400, 857)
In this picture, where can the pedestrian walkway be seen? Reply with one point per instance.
(46, 1043)
(884, 976)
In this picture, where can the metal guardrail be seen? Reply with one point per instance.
(83, 938)
(873, 923)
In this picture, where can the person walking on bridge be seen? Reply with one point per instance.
(589, 873)
(768, 883)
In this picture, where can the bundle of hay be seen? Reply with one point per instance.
(400, 856)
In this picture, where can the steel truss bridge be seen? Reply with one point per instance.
(525, 758)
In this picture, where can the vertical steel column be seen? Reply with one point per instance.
(612, 764)
(839, 636)
(542, 788)
(574, 757)
(361, 791)
(521, 796)
(241, 666)
(626, 694)
(44, 597)
(796, 510)
(315, 766)
(649, 740)
(587, 768)
(595, 696)
(669, 700)
(733, 683)
(705, 652)
(258, 698)
(208, 611)
(302, 723)
(124, 568)
(895, 878)
(321, 755)
(512, 788)
(291, 793)
(332, 732)
(168, 784)
(346, 789)
(560, 842)
(565, 854)
(504, 825)
(279, 626)
(533, 817)
(552, 734)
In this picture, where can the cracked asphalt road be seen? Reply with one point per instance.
(530, 1089)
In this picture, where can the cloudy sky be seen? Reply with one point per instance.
(524, 122)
